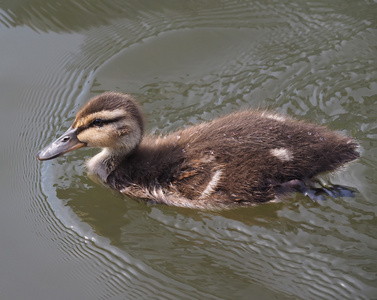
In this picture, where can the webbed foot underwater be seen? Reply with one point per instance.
(242, 159)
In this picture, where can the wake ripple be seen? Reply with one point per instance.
(278, 58)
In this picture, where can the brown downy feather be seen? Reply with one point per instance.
(238, 147)
(242, 159)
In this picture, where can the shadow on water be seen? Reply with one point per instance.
(291, 247)
(193, 247)
(107, 211)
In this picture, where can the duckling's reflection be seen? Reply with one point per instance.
(242, 247)
(118, 218)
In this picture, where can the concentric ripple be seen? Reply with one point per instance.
(190, 62)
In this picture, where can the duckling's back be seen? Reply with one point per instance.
(242, 158)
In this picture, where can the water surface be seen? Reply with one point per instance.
(64, 237)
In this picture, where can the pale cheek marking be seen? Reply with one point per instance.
(97, 137)
(282, 153)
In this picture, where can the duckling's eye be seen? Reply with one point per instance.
(98, 122)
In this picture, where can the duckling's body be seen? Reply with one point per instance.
(242, 159)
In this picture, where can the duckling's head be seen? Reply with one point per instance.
(110, 120)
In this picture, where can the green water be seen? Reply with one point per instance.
(64, 237)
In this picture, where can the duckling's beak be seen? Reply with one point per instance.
(66, 143)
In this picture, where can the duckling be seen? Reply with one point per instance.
(242, 159)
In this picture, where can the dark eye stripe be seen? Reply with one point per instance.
(101, 122)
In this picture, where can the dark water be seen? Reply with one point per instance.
(64, 237)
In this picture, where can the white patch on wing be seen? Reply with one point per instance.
(276, 117)
(273, 116)
(212, 184)
(282, 153)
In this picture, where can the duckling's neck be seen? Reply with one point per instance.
(102, 164)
